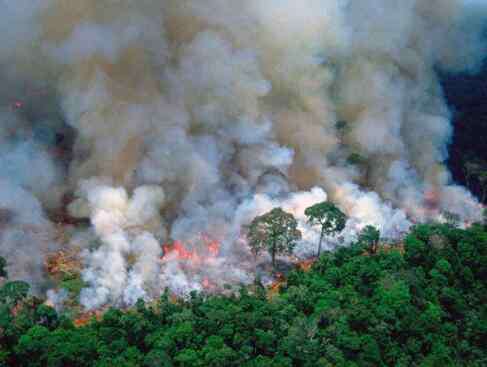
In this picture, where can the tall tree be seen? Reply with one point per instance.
(3, 267)
(482, 177)
(477, 169)
(369, 236)
(275, 231)
(331, 219)
(471, 168)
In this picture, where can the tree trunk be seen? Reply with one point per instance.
(255, 265)
(273, 254)
(321, 239)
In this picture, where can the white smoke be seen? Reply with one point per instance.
(125, 227)
(189, 118)
(56, 298)
(25, 234)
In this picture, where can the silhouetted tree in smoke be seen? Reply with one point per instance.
(331, 219)
(482, 177)
(452, 219)
(3, 266)
(369, 236)
(475, 171)
(471, 168)
(275, 231)
(356, 159)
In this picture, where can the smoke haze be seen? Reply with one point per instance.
(161, 120)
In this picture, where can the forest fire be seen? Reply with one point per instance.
(306, 265)
(137, 151)
(63, 262)
(178, 251)
(85, 318)
(197, 261)
(167, 165)
(273, 290)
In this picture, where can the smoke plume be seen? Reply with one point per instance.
(133, 124)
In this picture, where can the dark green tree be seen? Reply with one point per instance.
(12, 292)
(369, 236)
(33, 347)
(331, 219)
(3, 268)
(275, 231)
(452, 219)
(471, 168)
(356, 159)
(482, 177)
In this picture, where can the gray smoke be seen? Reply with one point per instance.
(186, 118)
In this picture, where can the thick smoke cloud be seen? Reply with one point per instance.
(181, 118)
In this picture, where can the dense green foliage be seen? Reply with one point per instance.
(275, 231)
(369, 237)
(423, 303)
(3, 267)
(326, 215)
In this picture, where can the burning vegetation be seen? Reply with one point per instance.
(62, 263)
(209, 250)
(199, 145)
(194, 261)
(211, 166)
(344, 308)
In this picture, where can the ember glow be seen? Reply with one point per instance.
(177, 251)
(206, 250)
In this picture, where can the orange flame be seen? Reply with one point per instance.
(276, 286)
(214, 248)
(86, 317)
(181, 251)
(193, 259)
(306, 265)
(178, 251)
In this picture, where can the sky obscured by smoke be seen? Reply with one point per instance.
(169, 119)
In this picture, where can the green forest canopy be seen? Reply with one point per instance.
(422, 303)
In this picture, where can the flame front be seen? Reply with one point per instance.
(203, 251)
(195, 259)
